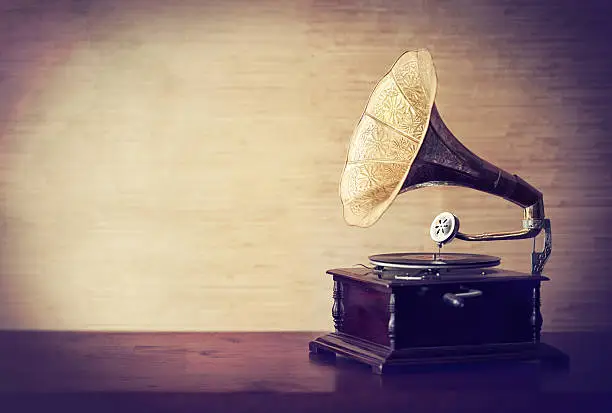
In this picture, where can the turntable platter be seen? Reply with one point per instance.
(439, 261)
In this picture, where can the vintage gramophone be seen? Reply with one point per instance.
(418, 308)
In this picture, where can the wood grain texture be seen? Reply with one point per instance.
(136, 362)
(175, 165)
(257, 372)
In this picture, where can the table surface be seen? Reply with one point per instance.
(254, 372)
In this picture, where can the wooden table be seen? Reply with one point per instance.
(264, 372)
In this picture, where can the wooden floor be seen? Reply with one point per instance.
(57, 371)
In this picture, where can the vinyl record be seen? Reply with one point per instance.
(421, 260)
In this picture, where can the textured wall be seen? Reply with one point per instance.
(175, 165)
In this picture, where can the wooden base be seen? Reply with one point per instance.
(391, 323)
(384, 360)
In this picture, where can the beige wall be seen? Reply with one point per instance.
(175, 165)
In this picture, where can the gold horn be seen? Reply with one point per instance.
(401, 143)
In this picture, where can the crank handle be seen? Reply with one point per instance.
(456, 300)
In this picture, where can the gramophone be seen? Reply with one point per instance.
(414, 308)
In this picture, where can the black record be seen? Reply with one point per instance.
(419, 260)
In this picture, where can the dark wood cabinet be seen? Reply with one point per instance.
(389, 323)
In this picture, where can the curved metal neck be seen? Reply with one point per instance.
(533, 222)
